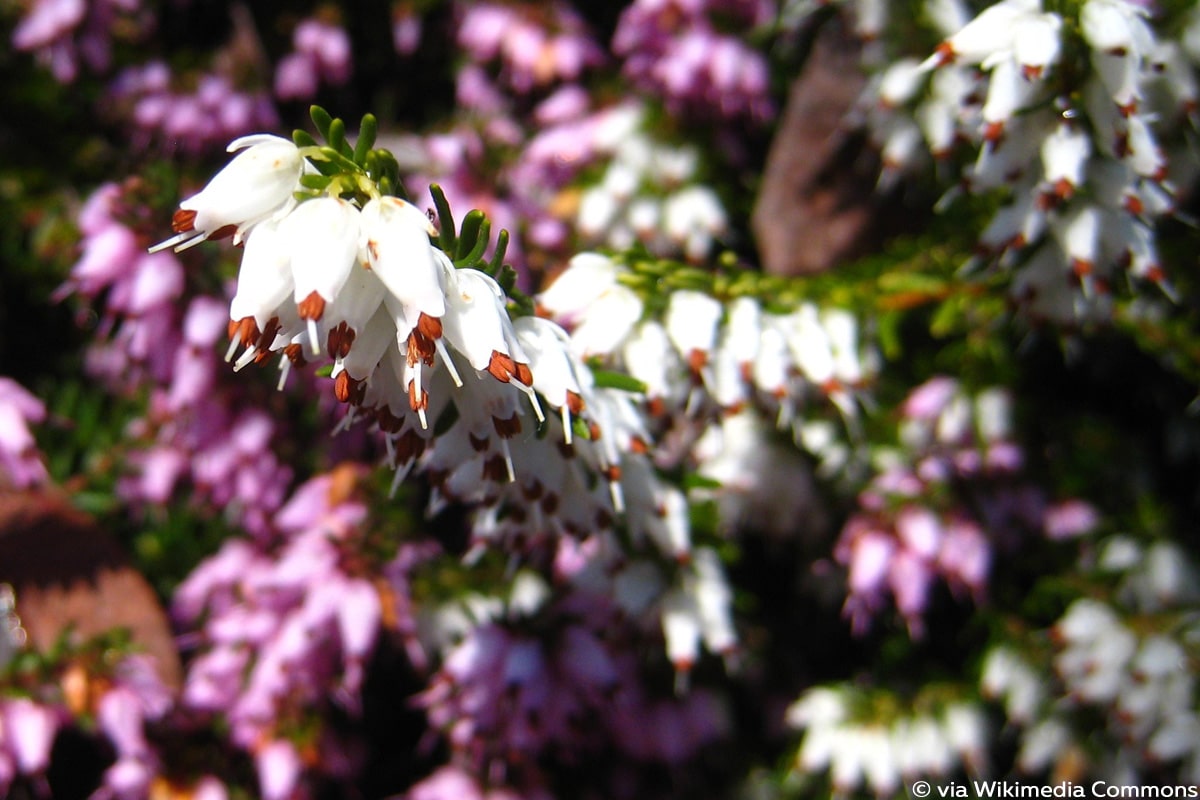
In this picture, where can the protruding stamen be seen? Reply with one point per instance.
(445, 355)
(285, 367)
(508, 462)
(314, 337)
(566, 423)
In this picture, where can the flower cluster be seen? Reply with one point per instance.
(193, 431)
(550, 670)
(498, 413)
(861, 747)
(321, 54)
(282, 630)
(81, 689)
(1077, 148)
(195, 119)
(699, 351)
(648, 194)
(945, 505)
(64, 32)
(673, 48)
(533, 46)
(1106, 661)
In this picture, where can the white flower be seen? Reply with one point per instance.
(322, 240)
(555, 373)
(691, 323)
(986, 35)
(395, 237)
(1065, 154)
(1120, 38)
(257, 184)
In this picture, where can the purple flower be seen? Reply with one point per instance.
(29, 730)
(21, 464)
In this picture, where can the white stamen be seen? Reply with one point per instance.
(174, 240)
(566, 422)
(245, 359)
(233, 346)
(285, 368)
(312, 337)
(508, 462)
(398, 478)
(618, 497)
(190, 243)
(346, 421)
(533, 400)
(441, 349)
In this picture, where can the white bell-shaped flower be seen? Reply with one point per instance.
(322, 236)
(395, 238)
(257, 184)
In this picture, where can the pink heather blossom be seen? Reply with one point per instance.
(21, 464)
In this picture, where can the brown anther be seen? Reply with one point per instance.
(1031, 72)
(1064, 189)
(507, 428)
(831, 385)
(746, 370)
(373, 248)
(1128, 109)
(183, 221)
(295, 354)
(1101, 286)
(420, 347)
(1119, 52)
(524, 374)
(533, 492)
(417, 402)
(430, 327)
(410, 445)
(495, 469)
(342, 387)
(613, 473)
(1081, 267)
(311, 307)
(594, 431)
(575, 403)
(541, 311)
(501, 367)
(550, 503)
(478, 444)
(638, 445)
(697, 359)
(1155, 274)
(248, 332)
(232, 328)
(565, 450)
(993, 132)
(656, 406)
(1121, 145)
(683, 558)
(1134, 205)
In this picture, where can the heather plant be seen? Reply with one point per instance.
(420, 356)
